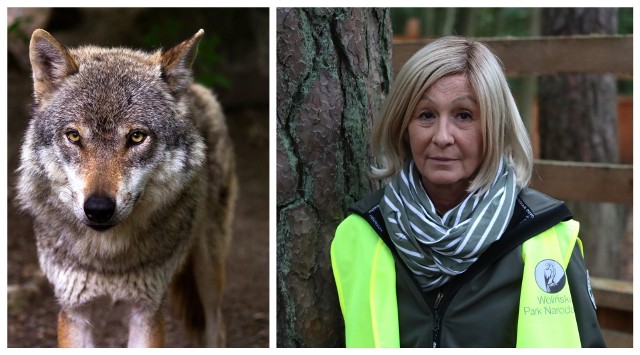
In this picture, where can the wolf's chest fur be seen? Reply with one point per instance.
(134, 261)
(76, 286)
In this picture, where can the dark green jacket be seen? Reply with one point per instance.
(479, 308)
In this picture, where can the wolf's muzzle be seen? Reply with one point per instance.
(99, 209)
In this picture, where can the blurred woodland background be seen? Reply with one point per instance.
(233, 60)
(570, 70)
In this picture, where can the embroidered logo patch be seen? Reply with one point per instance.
(550, 276)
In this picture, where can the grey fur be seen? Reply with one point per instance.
(174, 193)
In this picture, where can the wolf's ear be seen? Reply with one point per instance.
(51, 62)
(177, 62)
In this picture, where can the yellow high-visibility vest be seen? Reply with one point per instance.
(546, 316)
(365, 275)
(364, 271)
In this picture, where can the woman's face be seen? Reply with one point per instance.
(445, 134)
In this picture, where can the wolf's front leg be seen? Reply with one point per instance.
(74, 330)
(146, 328)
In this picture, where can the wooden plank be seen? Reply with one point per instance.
(615, 294)
(575, 181)
(614, 299)
(561, 54)
(615, 319)
(616, 339)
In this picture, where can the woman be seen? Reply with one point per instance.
(455, 251)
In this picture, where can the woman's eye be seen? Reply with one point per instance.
(464, 115)
(426, 115)
(137, 137)
(73, 137)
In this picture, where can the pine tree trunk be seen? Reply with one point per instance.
(578, 122)
(333, 71)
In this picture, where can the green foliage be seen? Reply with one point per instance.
(167, 28)
(208, 53)
(503, 22)
(625, 26)
(13, 29)
(486, 22)
(477, 22)
(206, 66)
(625, 87)
(625, 20)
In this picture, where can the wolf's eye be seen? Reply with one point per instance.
(137, 137)
(73, 137)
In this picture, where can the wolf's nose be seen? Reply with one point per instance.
(99, 209)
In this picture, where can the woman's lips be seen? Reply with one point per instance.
(442, 159)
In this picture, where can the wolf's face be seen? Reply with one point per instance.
(110, 132)
(109, 137)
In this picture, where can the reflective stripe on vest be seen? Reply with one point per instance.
(364, 271)
(547, 317)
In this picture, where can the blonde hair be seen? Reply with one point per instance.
(503, 133)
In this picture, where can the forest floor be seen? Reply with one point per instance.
(32, 308)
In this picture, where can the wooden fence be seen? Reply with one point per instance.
(584, 54)
(572, 181)
(565, 180)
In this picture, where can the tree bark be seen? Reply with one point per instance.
(333, 71)
(578, 122)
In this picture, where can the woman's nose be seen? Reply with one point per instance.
(442, 136)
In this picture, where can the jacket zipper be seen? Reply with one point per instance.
(436, 320)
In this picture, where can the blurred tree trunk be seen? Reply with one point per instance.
(449, 21)
(427, 17)
(501, 25)
(469, 21)
(529, 87)
(333, 71)
(578, 121)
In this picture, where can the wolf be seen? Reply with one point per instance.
(128, 172)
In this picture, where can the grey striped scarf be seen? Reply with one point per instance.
(436, 248)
